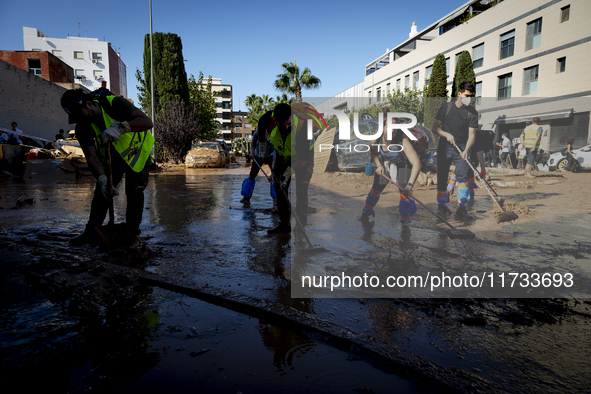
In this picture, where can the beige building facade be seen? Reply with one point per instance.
(530, 59)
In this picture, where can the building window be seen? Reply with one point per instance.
(428, 72)
(457, 58)
(564, 13)
(478, 56)
(447, 67)
(530, 80)
(407, 82)
(97, 57)
(227, 105)
(57, 53)
(504, 91)
(415, 80)
(98, 74)
(247, 126)
(561, 65)
(35, 66)
(79, 74)
(534, 34)
(379, 94)
(388, 89)
(218, 105)
(478, 93)
(507, 44)
(398, 85)
(78, 55)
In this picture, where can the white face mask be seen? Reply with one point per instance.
(466, 100)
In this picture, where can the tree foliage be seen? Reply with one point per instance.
(409, 101)
(291, 81)
(170, 77)
(202, 96)
(464, 72)
(257, 106)
(178, 127)
(436, 93)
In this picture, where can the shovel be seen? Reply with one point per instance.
(504, 216)
(112, 236)
(311, 248)
(452, 232)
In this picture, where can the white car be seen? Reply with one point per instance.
(582, 155)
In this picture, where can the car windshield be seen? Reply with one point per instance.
(209, 146)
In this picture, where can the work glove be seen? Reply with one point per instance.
(286, 175)
(102, 183)
(288, 172)
(482, 173)
(407, 190)
(113, 132)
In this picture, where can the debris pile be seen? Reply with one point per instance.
(512, 208)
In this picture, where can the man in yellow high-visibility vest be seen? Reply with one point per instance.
(530, 138)
(111, 119)
(295, 155)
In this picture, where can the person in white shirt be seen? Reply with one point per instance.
(506, 152)
(16, 133)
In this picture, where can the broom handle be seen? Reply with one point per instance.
(480, 179)
(423, 205)
(110, 183)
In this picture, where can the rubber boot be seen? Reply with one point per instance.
(528, 169)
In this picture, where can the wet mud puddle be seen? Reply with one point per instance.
(154, 340)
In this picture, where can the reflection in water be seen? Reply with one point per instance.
(286, 345)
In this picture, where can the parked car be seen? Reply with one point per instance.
(353, 155)
(582, 155)
(209, 154)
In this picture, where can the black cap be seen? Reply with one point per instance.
(72, 102)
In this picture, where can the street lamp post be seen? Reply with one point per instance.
(152, 84)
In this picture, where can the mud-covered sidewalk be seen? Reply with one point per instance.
(210, 247)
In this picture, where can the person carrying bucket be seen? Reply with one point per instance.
(249, 183)
(402, 165)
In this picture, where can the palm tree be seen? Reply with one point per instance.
(268, 102)
(252, 100)
(291, 81)
(283, 99)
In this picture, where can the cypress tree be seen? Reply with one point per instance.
(464, 72)
(170, 77)
(436, 93)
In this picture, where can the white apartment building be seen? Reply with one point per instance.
(223, 101)
(530, 59)
(93, 61)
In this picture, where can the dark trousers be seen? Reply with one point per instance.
(302, 181)
(506, 160)
(446, 156)
(254, 168)
(570, 161)
(135, 183)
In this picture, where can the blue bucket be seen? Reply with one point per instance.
(369, 169)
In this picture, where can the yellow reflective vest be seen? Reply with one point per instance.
(133, 147)
(530, 136)
(286, 146)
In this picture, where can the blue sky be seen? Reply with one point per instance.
(242, 42)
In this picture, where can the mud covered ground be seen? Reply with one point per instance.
(120, 323)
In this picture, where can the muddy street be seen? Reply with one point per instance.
(221, 304)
